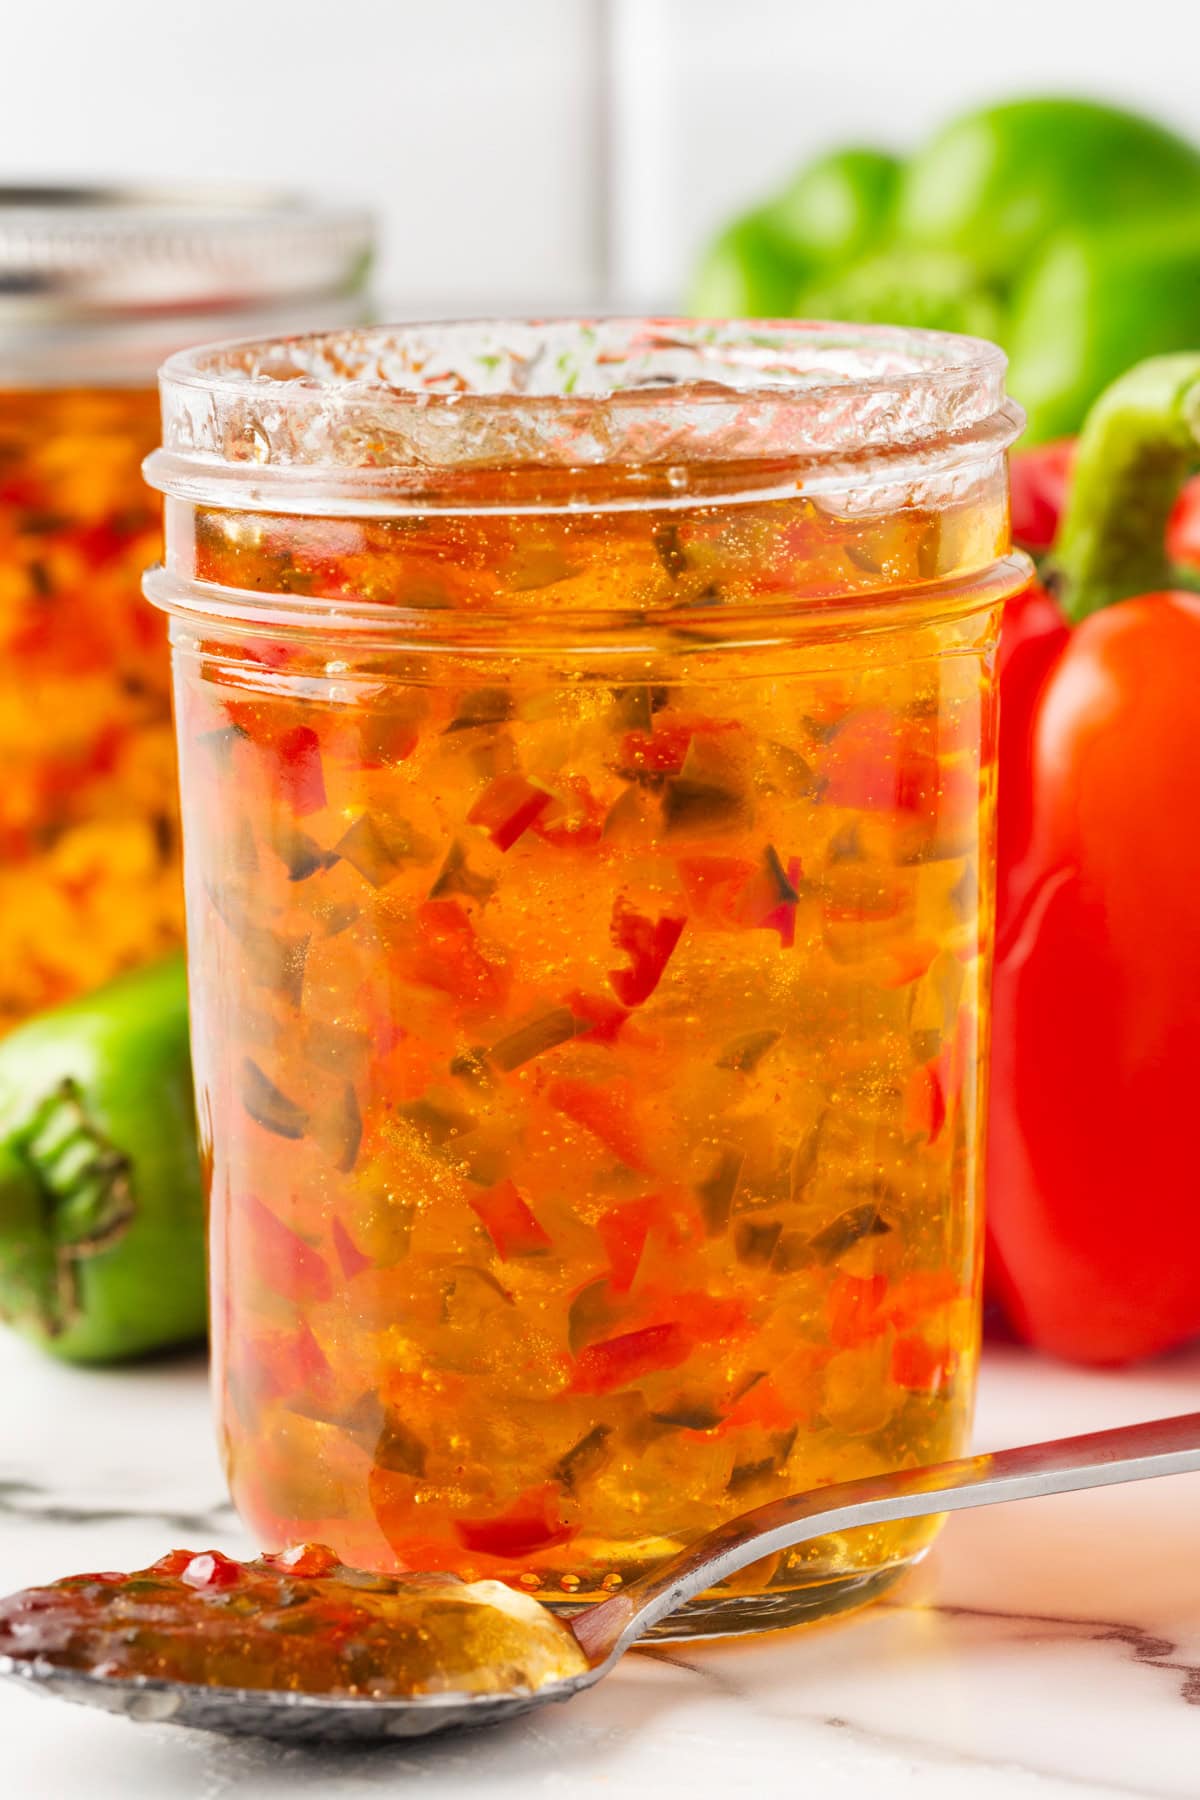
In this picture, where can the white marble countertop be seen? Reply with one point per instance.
(1048, 1650)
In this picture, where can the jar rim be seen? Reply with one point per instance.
(385, 416)
(81, 253)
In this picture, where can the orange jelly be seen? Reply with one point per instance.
(89, 858)
(586, 739)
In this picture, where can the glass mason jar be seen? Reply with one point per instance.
(96, 287)
(586, 737)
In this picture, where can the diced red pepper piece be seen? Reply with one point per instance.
(173, 1563)
(507, 808)
(616, 1362)
(878, 760)
(854, 1310)
(709, 1317)
(282, 1259)
(301, 777)
(211, 1570)
(623, 1233)
(714, 886)
(533, 1522)
(919, 1365)
(602, 1017)
(606, 1110)
(375, 1006)
(919, 782)
(782, 918)
(860, 767)
(648, 943)
(768, 901)
(270, 652)
(348, 1253)
(508, 1221)
(762, 1405)
(576, 824)
(663, 749)
(924, 1103)
(657, 752)
(914, 1296)
(290, 1363)
(448, 955)
(309, 1561)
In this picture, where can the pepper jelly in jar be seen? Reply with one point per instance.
(96, 286)
(587, 762)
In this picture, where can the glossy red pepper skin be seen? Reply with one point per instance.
(1094, 1226)
(1033, 637)
(1094, 1231)
(1183, 527)
(1039, 481)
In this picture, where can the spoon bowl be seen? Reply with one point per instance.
(604, 1632)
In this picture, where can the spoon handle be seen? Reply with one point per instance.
(1131, 1453)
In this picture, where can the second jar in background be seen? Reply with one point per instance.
(95, 287)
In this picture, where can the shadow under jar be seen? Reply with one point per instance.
(586, 735)
(97, 285)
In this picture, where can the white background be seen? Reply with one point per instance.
(543, 154)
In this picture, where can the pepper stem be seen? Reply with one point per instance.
(1140, 442)
(64, 1195)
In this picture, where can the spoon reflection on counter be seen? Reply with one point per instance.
(590, 1644)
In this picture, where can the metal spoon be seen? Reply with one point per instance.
(606, 1631)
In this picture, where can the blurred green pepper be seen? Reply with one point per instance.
(935, 289)
(996, 185)
(1067, 230)
(1085, 302)
(101, 1209)
(835, 207)
(832, 212)
(747, 273)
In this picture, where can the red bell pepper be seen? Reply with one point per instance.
(1093, 1214)
(1040, 481)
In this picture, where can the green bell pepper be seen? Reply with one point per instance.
(1085, 302)
(831, 212)
(101, 1206)
(1067, 230)
(997, 185)
(747, 273)
(935, 289)
(834, 209)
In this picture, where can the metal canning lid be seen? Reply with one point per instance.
(82, 255)
(99, 284)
